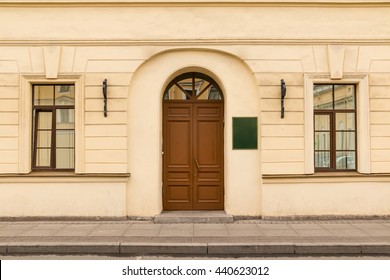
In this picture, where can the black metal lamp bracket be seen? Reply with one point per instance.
(105, 96)
(282, 96)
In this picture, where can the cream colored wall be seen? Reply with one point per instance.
(242, 168)
(322, 197)
(9, 120)
(40, 197)
(380, 120)
(139, 48)
(195, 21)
(106, 137)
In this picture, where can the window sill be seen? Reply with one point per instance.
(66, 177)
(326, 177)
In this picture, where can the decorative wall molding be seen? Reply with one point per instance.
(52, 57)
(197, 42)
(363, 118)
(25, 117)
(336, 55)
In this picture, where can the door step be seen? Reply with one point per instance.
(201, 217)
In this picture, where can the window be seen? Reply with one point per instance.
(335, 127)
(193, 86)
(53, 127)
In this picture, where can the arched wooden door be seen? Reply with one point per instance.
(193, 144)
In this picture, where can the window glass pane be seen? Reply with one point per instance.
(199, 85)
(193, 86)
(345, 141)
(322, 159)
(345, 160)
(65, 118)
(65, 138)
(322, 141)
(214, 94)
(203, 89)
(345, 121)
(64, 95)
(43, 95)
(323, 97)
(44, 139)
(186, 85)
(43, 158)
(65, 158)
(175, 93)
(322, 122)
(44, 120)
(344, 96)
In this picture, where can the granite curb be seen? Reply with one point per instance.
(181, 249)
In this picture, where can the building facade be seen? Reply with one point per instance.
(259, 108)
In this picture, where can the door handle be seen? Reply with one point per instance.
(197, 164)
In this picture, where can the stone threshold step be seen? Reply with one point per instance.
(201, 217)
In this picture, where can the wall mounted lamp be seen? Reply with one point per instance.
(282, 96)
(105, 96)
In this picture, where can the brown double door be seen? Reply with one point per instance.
(193, 155)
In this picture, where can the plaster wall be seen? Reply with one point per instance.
(139, 47)
(242, 168)
(62, 199)
(343, 198)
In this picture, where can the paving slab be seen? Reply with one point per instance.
(193, 217)
(15, 229)
(142, 232)
(313, 232)
(305, 226)
(338, 226)
(210, 232)
(38, 232)
(145, 226)
(274, 226)
(279, 232)
(76, 230)
(242, 226)
(108, 232)
(177, 227)
(209, 227)
(244, 237)
(177, 232)
(377, 232)
(370, 226)
(245, 232)
(347, 232)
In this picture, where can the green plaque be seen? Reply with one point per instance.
(244, 133)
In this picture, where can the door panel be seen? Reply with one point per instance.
(180, 143)
(178, 157)
(193, 156)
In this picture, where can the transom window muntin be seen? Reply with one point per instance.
(335, 127)
(193, 86)
(53, 127)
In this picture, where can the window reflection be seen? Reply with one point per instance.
(335, 127)
(193, 86)
(54, 124)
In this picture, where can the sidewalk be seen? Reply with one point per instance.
(252, 237)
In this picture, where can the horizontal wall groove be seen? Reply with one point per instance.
(198, 42)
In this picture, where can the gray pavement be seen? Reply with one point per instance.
(241, 238)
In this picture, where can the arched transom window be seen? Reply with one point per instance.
(193, 86)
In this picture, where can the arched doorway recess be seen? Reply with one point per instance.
(193, 153)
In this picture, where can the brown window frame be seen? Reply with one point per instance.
(48, 108)
(332, 130)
